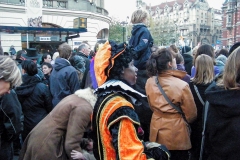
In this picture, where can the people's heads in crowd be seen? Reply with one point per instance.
(32, 54)
(114, 61)
(46, 68)
(186, 50)
(84, 48)
(139, 16)
(55, 55)
(78, 63)
(161, 61)
(205, 49)
(223, 52)
(231, 74)
(179, 59)
(194, 51)
(86, 144)
(174, 50)
(236, 45)
(29, 67)
(154, 48)
(6, 54)
(65, 51)
(46, 58)
(19, 55)
(10, 75)
(99, 44)
(204, 69)
(222, 58)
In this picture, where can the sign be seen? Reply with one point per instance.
(34, 13)
(218, 42)
(80, 23)
(44, 38)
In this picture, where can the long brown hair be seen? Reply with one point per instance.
(231, 75)
(204, 70)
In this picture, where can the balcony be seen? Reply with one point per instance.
(203, 26)
(229, 26)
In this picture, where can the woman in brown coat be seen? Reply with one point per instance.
(167, 125)
(61, 131)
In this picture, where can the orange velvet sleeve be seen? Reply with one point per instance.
(130, 146)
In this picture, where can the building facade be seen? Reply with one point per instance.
(55, 14)
(231, 22)
(193, 20)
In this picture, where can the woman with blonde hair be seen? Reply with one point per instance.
(168, 126)
(203, 78)
(222, 126)
(207, 50)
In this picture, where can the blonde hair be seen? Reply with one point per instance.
(138, 16)
(204, 69)
(231, 74)
(65, 51)
(9, 71)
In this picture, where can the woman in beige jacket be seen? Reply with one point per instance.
(167, 125)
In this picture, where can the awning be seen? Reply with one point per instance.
(39, 30)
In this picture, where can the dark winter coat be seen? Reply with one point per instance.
(63, 80)
(87, 67)
(61, 131)
(187, 77)
(35, 99)
(11, 117)
(141, 41)
(188, 62)
(197, 125)
(223, 123)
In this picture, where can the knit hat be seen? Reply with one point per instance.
(186, 49)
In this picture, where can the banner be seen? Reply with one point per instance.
(34, 13)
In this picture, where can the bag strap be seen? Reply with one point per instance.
(198, 94)
(206, 107)
(167, 99)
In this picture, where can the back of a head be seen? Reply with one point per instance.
(204, 69)
(64, 51)
(204, 49)
(179, 59)
(82, 46)
(174, 48)
(158, 61)
(19, 54)
(223, 52)
(231, 74)
(138, 16)
(9, 71)
(236, 45)
(99, 44)
(29, 67)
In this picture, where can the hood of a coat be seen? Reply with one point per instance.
(226, 101)
(219, 63)
(136, 27)
(28, 85)
(61, 63)
(88, 95)
(187, 58)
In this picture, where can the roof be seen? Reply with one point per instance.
(19, 29)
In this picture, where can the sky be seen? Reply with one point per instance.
(121, 9)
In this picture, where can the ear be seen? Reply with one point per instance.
(169, 65)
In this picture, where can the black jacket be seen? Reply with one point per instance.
(223, 123)
(87, 67)
(11, 117)
(35, 99)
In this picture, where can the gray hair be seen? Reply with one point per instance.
(9, 71)
(82, 46)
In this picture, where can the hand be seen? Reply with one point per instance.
(77, 155)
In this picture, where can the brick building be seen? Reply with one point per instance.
(231, 22)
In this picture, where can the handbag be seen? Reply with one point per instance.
(173, 105)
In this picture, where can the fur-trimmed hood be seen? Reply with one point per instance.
(88, 95)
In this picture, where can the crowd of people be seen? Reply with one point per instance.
(132, 101)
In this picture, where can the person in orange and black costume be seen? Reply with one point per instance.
(115, 123)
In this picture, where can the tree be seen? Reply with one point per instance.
(163, 32)
(116, 30)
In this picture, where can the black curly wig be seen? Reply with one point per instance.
(121, 61)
